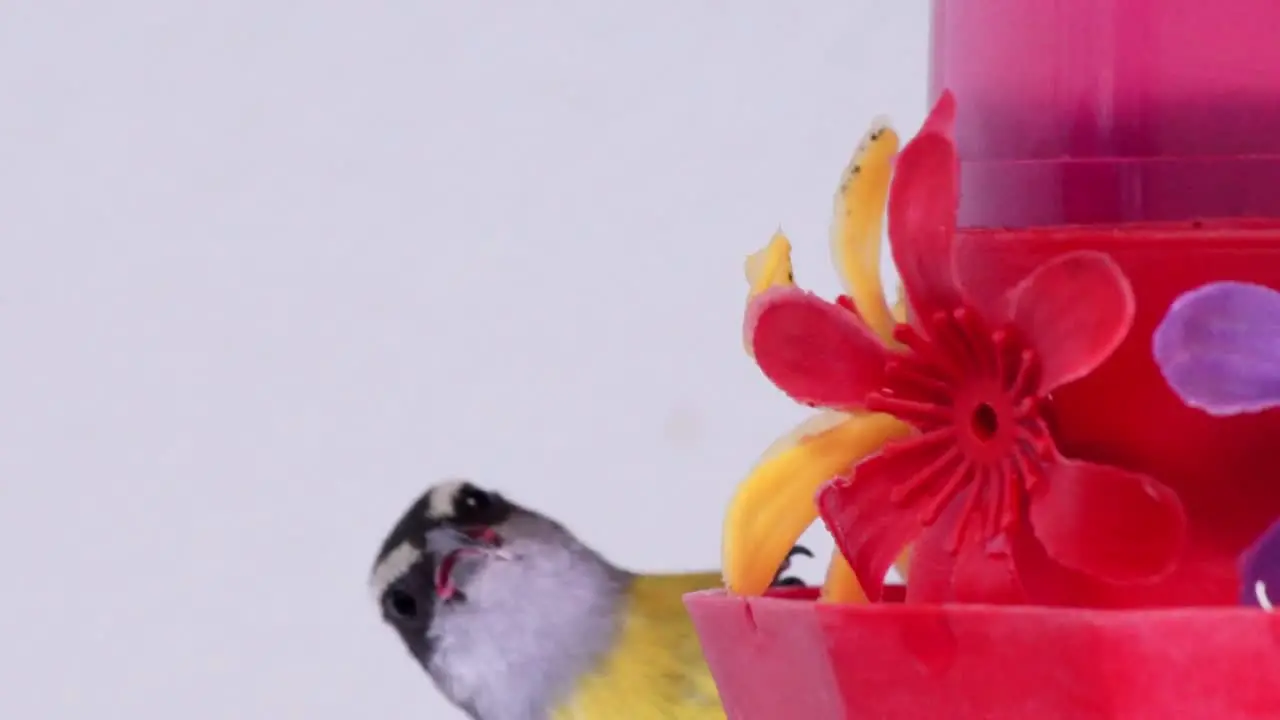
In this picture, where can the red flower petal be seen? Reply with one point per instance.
(923, 196)
(1106, 522)
(1045, 581)
(813, 350)
(846, 302)
(870, 529)
(1074, 310)
(942, 117)
(985, 276)
(979, 571)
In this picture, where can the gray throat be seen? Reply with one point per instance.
(527, 632)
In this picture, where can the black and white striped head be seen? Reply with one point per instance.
(451, 536)
(500, 605)
(449, 518)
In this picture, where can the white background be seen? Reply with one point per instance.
(268, 269)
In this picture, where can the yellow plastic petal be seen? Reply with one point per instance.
(856, 228)
(768, 267)
(841, 585)
(904, 562)
(775, 504)
(900, 307)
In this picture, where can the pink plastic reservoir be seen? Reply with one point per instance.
(1108, 111)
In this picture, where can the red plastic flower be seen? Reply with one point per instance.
(994, 511)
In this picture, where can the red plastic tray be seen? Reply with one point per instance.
(785, 656)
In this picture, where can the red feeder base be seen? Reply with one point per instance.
(783, 657)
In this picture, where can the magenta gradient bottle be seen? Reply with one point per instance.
(1112, 111)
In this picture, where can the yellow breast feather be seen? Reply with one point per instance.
(656, 670)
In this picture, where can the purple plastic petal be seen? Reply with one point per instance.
(1260, 570)
(1219, 348)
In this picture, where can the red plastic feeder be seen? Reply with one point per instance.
(787, 657)
(1150, 130)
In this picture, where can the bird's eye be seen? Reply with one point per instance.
(400, 604)
(473, 505)
(473, 501)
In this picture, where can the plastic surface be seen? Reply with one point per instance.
(823, 662)
(777, 658)
(1100, 111)
(971, 374)
(1144, 129)
(1126, 414)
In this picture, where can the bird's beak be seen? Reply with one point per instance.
(452, 547)
(443, 540)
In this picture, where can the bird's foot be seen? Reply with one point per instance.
(782, 580)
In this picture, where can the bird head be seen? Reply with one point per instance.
(506, 611)
(462, 557)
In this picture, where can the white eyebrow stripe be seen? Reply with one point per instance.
(392, 568)
(440, 499)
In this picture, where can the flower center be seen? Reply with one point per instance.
(972, 394)
(983, 422)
